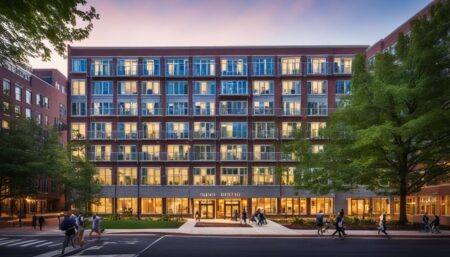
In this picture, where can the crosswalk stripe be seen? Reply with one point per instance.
(21, 242)
(55, 244)
(40, 241)
(9, 241)
(3, 238)
(43, 244)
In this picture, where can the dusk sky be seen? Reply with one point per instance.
(242, 22)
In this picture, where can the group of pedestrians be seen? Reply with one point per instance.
(35, 220)
(74, 225)
(432, 226)
(259, 217)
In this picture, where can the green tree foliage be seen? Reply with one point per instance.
(32, 28)
(394, 136)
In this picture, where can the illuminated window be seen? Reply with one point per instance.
(314, 129)
(289, 129)
(127, 108)
(263, 87)
(263, 152)
(127, 206)
(151, 67)
(263, 107)
(291, 87)
(265, 205)
(104, 176)
(127, 88)
(127, 176)
(78, 87)
(78, 130)
(150, 176)
(233, 152)
(104, 206)
(150, 87)
(290, 66)
(291, 107)
(178, 152)
(321, 204)
(263, 176)
(264, 130)
(127, 153)
(127, 67)
(177, 67)
(204, 108)
(177, 176)
(127, 130)
(177, 130)
(150, 130)
(317, 87)
(233, 66)
(150, 108)
(342, 65)
(150, 153)
(288, 176)
(101, 67)
(151, 205)
(317, 66)
(204, 87)
(177, 206)
(101, 152)
(293, 206)
(233, 176)
(100, 130)
(204, 176)
(204, 130)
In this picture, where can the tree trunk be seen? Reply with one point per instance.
(402, 219)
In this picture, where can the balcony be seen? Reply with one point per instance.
(108, 111)
(264, 111)
(265, 134)
(233, 111)
(100, 156)
(146, 156)
(177, 135)
(122, 135)
(264, 156)
(100, 135)
(178, 156)
(152, 111)
(237, 156)
(127, 111)
(318, 68)
(292, 112)
(318, 111)
(123, 156)
(211, 156)
(204, 135)
(148, 134)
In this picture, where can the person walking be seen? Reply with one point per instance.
(197, 216)
(34, 221)
(426, 222)
(80, 231)
(244, 216)
(41, 222)
(435, 224)
(338, 226)
(343, 222)
(69, 226)
(382, 225)
(95, 227)
(319, 223)
(236, 215)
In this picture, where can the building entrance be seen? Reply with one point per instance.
(231, 207)
(207, 209)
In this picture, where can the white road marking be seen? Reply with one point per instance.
(43, 244)
(1, 239)
(150, 245)
(9, 241)
(55, 244)
(21, 242)
(25, 245)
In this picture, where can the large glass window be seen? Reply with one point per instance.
(314, 129)
(264, 130)
(177, 130)
(78, 87)
(151, 67)
(77, 130)
(291, 87)
(177, 108)
(101, 67)
(290, 66)
(151, 205)
(317, 87)
(234, 87)
(127, 206)
(177, 67)
(150, 130)
(100, 130)
(322, 204)
(263, 107)
(263, 66)
(317, 66)
(234, 152)
(127, 153)
(127, 108)
(233, 108)
(127, 130)
(293, 206)
(126, 176)
(233, 176)
(150, 153)
(204, 87)
(102, 108)
(101, 152)
(127, 67)
(342, 65)
(6, 87)
(177, 88)
(204, 108)
(203, 152)
(150, 176)
(380, 205)
(150, 87)
(177, 206)
(28, 96)
(150, 108)
(79, 65)
(178, 152)
(177, 176)
(263, 152)
(78, 108)
(288, 176)
(428, 204)
(317, 108)
(104, 176)
(204, 176)
(263, 175)
(289, 129)
(204, 66)
(265, 205)
(233, 130)
(344, 87)
(263, 87)
(291, 107)
(233, 66)
(204, 130)
(102, 88)
(127, 88)
(103, 206)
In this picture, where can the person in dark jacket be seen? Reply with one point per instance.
(426, 222)
(435, 224)
(41, 222)
(319, 223)
(343, 222)
(338, 225)
(34, 221)
(69, 226)
(382, 225)
(244, 216)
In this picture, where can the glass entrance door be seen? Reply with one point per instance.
(207, 210)
(231, 207)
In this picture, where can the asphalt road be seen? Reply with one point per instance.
(176, 246)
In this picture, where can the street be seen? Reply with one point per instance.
(174, 246)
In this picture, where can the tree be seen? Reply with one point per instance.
(394, 135)
(28, 28)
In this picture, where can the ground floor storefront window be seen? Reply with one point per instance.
(411, 205)
(227, 208)
(428, 204)
(321, 204)
(151, 206)
(177, 206)
(293, 206)
(104, 206)
(127, 206)
(445, 205)
(266, 205)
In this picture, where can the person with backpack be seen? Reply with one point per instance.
(319, 223)
(69, 226)
(338, 225)
(41, 222)
(80, 232)
(382, 225)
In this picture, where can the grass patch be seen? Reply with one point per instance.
(138, 224)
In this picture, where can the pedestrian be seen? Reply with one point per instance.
(426, 222)
(435, 224)
(80, 231)
(34, 221)
(236, 215)
(69, 226)
(197, 216)
(319, 223)
(41, 222)
(95, 227)
(338, 226)
(343, 222)
(382, 225)
(244, 216)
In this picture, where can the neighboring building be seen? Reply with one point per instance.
(41, 95)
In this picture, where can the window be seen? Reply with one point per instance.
(177, 206)
(28, 96)
(78, 153)
(177, 88)
(150, 176)
(233, 152)
(267, 205)
(38, 100)
(204, 176)
(101, 67)
(150, 88)
(28, 113)
(291, 107)
(177, 130)
(317, 66)
(290, 66)
(204, 87)
(322, 204)
(204, 130)
(102, 88)
(101, 152)
(46, 105)
(104, 176)
(233, 66)
(177, 109)
(127, 130)
(291, 87)
(150, 153)
(263, 66)
(18, 93)
(342, 65)
(127, 88)
(127, 153)
(314, 129)
(233, 108)
(263, 175)
(151, 67)
(6, 87)
(150, 130)
(234, 87)
(126, 176)
(17, 110)
(150, 109)
(127, 206)
(127, 67)
(103, 206)
(343, 87)
(317, 87)
(264, 130)
(79, 65)
(204, 108)
(427, 204)
(127, 108)
(101, 108)
(289, 129)
(203, 152)
(293, 206)
(78, 87)
(263, 87)
(151, 205)
(78, 130)
(317, 148)
(288, 176)
(263, 152)
(100, 130)
(263, 107)
(204, 67)
(177, 67)
(233, 176)
(381, 205)
(178, 152)
(39, 118)
(177, 176)
(5, 107)
(317, 108)
(5, 124)
(78, 108)
(233, 130)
